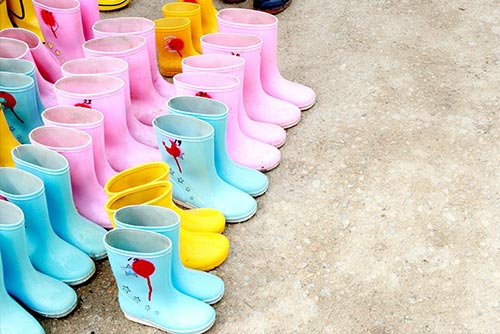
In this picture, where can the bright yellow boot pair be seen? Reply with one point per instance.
(202, 246)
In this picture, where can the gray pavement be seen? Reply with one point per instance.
(383, 214)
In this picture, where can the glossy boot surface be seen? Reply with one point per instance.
(22, 14)
(90, 15)
(208, 15)
(7, 142)
(194, 220)
(53, 169)
(76, 146)
(187, 145)
(38, 292)
(215, 113)
(192, 12)
(141, 263)
(195, 283)
(87, 120)
(4, 16)
(198, 250)
(47, 251)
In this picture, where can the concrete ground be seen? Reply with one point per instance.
(383, 214)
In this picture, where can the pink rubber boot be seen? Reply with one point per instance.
(106, 94)
(90, 15)
(227, 64)
(143, 27)
(225, 88)
(147, 103)
(118, 68)
(265, 25)
(45, 61)
(259, 105)
(90, 121)
(61, 25)
(15, 48)
(76, 146)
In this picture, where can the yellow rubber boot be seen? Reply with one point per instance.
(198, 250)
(4, 16)
(192, 12)
(7, 142)
(194, 220)
(173, 43)
(208, 15)
(110, 5)
(22, 15)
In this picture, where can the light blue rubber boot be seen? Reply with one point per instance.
(26, 67)
(13, 318)
(47, 251)
(195, 283)
(214, 112)
(187, 146)
(53, 169)
(141, 264)
(38, 292)
(18, 100)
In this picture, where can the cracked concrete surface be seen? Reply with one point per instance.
(383, 214)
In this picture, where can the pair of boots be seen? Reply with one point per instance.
(154, 288)
(202, 246)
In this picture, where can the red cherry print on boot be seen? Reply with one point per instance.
(9, 102)
(144, 269)
(50, 21)
(84, 104)
(174, 151)
(203, 94)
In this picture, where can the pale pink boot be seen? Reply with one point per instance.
(15, 48)
(118, 68)
(106, 94)
(76, 146)
(227, 64)
(225, 88)
(90, 15)
(90, 121)
(143, 27)
(265, 25)
(146, 102)
(259, 105)
(45, 61)
(61, 25)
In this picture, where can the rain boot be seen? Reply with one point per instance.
(271, 6)
(13, 318)
(199, 250)
(208, 15)
(228, 64)
(48, 252)
(215, 113)
(45, 62)
(87, 120)
(15, 48)
(90, 15)
(4, 16)
(110, 5)
(18, 100)
(187, 145)
(141, 262)
(265, 25)
(53, 169)
(22, 15)
(7, 142)
(194, 220)
(61, 25)
(38, 292)
(146, 103)
(259, 105)
(118, 68)
(192, 12)
(76, 146)
(195, 283)
(143, 27)
(173, 43)
(242, 149)
(106, 94)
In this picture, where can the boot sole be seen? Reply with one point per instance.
(234, 220)
(81, 280)
(152, 324)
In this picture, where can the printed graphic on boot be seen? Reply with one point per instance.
(203, 94)
(50, 21)
(9, 102)
(87, 103)
(145, 269)
(175, 151)
(173, 44)
(235, 54)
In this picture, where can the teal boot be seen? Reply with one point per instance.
(53, 169)
(38, 292)
(141, 265)
(195, 283)
(47, 251)
(214, 112)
